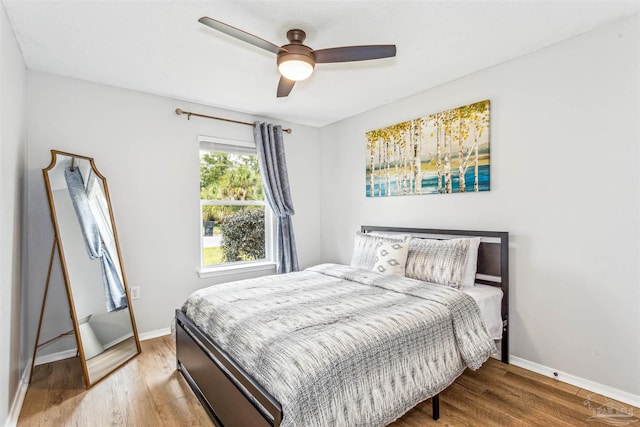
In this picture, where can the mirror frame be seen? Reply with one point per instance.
(58, 242)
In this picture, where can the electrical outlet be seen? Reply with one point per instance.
(135, 292)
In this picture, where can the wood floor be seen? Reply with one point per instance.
(100, 365)
(148, 391)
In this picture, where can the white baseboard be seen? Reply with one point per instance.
(604, 390)
(154, 334)
(118, 340)
(18, 399)
(54, 357)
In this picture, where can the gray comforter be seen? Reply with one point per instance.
(338, 346)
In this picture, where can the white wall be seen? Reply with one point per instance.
(564, 183)
(150, 157)
(13, 143)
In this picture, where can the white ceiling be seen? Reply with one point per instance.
(159, 47)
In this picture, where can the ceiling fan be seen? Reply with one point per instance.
(297, 61)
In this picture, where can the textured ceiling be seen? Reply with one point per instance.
(159, 47)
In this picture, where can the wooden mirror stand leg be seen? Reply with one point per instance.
(44, 302)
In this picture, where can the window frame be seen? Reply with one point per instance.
(267, 264)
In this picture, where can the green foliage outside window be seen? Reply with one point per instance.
(243, 235)
(226, 176)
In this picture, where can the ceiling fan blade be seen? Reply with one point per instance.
(354, 53)
(239, 34)
(284, 86)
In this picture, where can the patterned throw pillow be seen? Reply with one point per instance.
(438, 261)
(391, 257)
(364, 248)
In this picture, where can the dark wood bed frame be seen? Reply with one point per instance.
(232, 398)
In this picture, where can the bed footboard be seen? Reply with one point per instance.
(227, 392)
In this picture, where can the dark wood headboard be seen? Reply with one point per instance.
(493, 261)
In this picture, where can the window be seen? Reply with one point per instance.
(236, 222)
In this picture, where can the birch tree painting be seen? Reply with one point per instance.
(446, 152)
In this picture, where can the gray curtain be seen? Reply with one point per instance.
(273, 170)
(115, 295)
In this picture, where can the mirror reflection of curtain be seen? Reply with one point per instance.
(94, 229)
(100, 209)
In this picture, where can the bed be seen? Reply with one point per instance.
(257, 366)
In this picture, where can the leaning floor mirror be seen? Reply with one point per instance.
(92, 267)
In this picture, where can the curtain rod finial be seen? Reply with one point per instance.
(179, 111)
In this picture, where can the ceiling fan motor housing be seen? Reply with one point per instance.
(296, 52)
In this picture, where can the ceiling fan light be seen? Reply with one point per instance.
(295, 69)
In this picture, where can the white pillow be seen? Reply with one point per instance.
(471, 266)
(391, 257)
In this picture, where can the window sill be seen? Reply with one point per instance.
(266, 266)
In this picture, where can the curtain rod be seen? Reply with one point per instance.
(189, 114)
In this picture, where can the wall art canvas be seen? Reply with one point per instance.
(446, 152)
